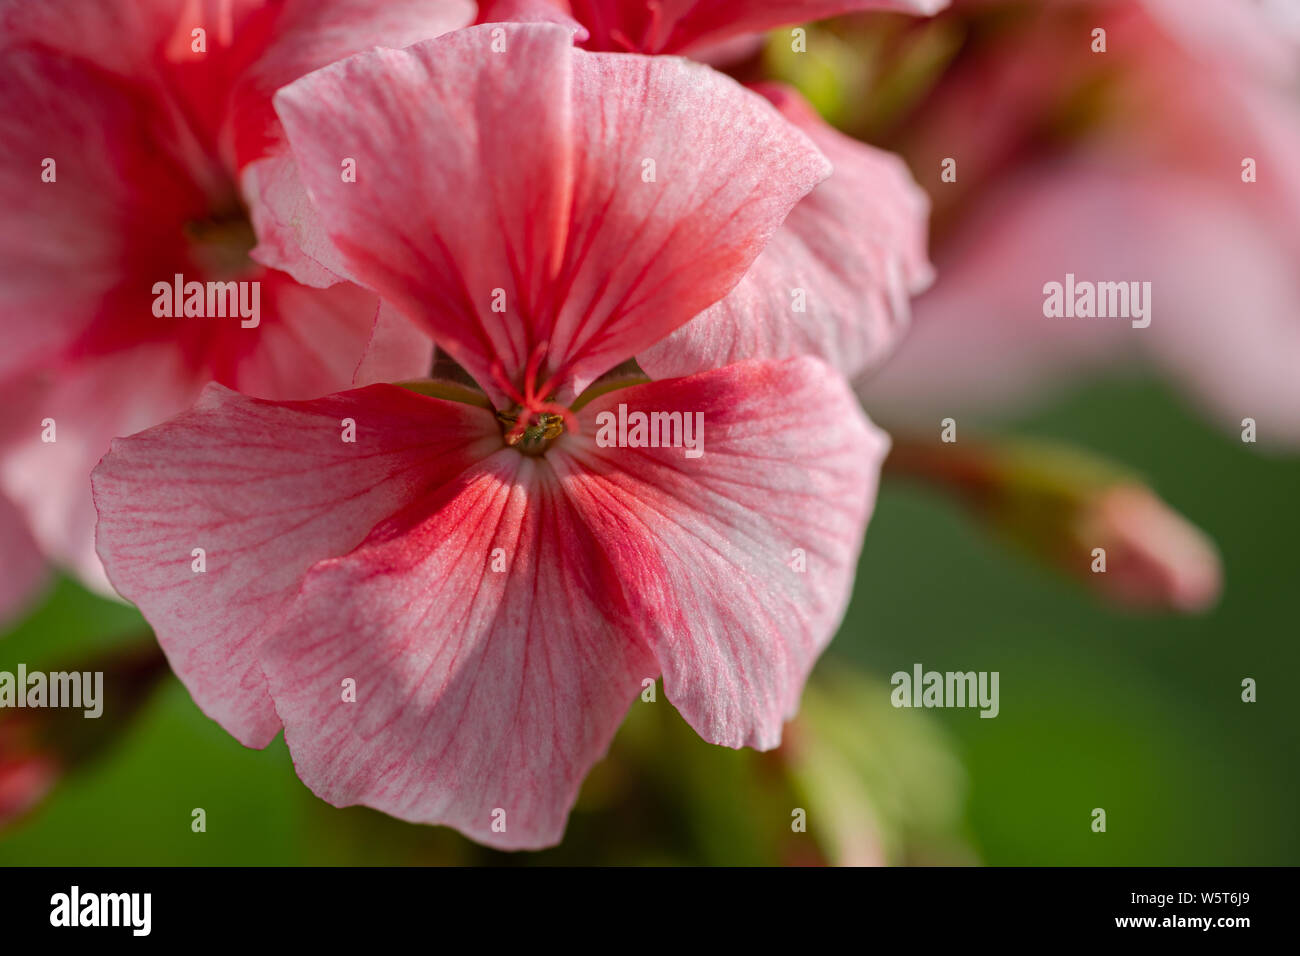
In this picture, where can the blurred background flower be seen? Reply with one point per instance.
(1114, 139)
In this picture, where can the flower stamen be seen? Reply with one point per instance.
(534, 422)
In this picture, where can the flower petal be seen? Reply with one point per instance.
(69, 244)
(88, 405)
(484, 689)
(712, 547)
(1262, 37)
(397, 352)
(530, 11)
(678, 26)
(290, 234)
(266, 490)
(308, 343)
(982, 344)
(544, 155)
(307, 35)
(980, 340)
(482, 696)
(835, 280)
(22, 570)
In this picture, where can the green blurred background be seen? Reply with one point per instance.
(1139, 715)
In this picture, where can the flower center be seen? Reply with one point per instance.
(530, 433)
(219, 245)
(533, 423)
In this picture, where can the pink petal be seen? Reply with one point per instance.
(267, 490)
(980, 340)
(677, 26)
(854, 248)
(398, 351)
(707, 546)
(308, 343)
(147, 44)
(290, 234)
(476, 691)
(982, 344)
(124, 39)
(530, 11)
(539, 176)
(307, 35)
(66, 247)
(22, 570)
(90, 403)
(84, 251)
(1261, 37)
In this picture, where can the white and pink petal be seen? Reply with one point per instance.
(738, 563)
(835, 281)
(490, 652)
(266, 491)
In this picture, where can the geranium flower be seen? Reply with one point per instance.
(128, 132)
(450, 615)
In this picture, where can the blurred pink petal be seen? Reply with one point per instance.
(70, 251)
(1224, 301)
(853, 250)
(1261, 37)
(22, 569)
(680, 26)
(309, 34)
(980, 340)
(307, 338)
(531, 11)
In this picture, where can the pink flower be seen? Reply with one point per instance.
(836, 279)
(129, 133)
(498, 583)
(1117, 166)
